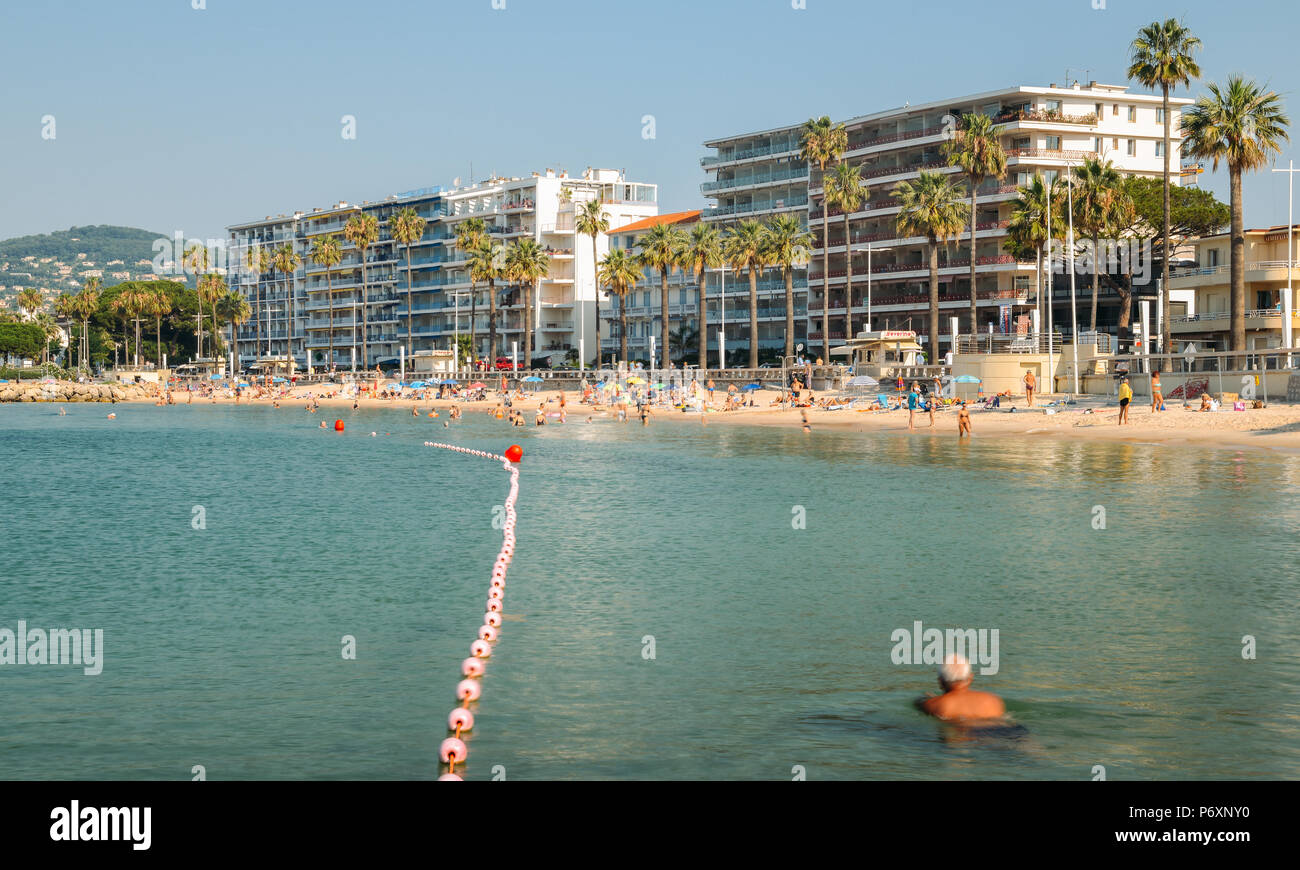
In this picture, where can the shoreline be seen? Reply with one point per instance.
(1274, 428)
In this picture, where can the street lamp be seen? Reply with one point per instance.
(1287, 296)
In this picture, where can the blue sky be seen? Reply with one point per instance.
(171, 118)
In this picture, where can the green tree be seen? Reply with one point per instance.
(327, 251)
(846, 192)
(592, 220)
(407, 227)
(662, 249)
(286, 260)
(703, 251)
(234, 310)
(1029, 224)
(527, 264)
(486, 264)
(470, 235)
(619, 271)
(746, 249)
(1242, 125)
(362, 230)
(821, 142)
(1161, 57)
(976, 147)
(1100, 208)
(931, 206)
(257, 260)
(86, 305)
(789, 245)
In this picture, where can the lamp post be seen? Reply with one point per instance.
(1287, 295)
(722, 330)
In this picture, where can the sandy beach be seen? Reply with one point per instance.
(1276, 427)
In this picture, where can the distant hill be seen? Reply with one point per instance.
(100, 244)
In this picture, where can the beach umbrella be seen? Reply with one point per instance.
(864, 381)
(532, 379)
(273, 380)
(750, 387)
(218, 377)
(478, 385)
(967, 379)
(450, 382)
(656, 386)
(636, 380)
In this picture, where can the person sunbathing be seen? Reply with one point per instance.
(1205, 402)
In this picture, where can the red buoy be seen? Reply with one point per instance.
(514, 453)
(338, 425)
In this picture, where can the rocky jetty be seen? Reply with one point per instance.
(68, 391)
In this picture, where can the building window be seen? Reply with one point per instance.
(1213, 256)
(1096, 144)
(1114, 143)
(1160, 115)
(1132, 114)
(1114, 110)
(1160, 148)
(1132, 148)
(1053, 143)
(1053, 105)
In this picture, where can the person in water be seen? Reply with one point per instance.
(958, 701)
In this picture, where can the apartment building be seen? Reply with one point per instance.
(1200, 294)
(1045, 131)
(315, 314)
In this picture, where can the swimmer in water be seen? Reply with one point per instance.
(958, 701)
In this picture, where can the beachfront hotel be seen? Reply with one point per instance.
(1045, 131)
(291, 314)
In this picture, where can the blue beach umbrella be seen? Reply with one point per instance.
(278, 380)
(750, 387)
(967, 379)
(450, 382)
(532, 379)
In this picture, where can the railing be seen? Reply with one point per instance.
(1044, 115)
(985, 343)
(747, 208)
(855, 145)
(750, 153)
(1053, 153)
(1224, 268)
(754, 178)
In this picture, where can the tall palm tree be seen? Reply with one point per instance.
(196, 258)
(30, 301)
(592, 220)
(1242, 125)
(469, 237)
(160, 304)
(746, 248)
(407, 227)
(845, 191)
(86, 305)
(526, 263)
(135, 304)
(362, 230)
(118, 305)
(822, 142)
(486, 264)
(212, 287)
(1097, 199)
(257, 260)
(789, 245)
(661, 250)
(976, 146)
(703, 251)
(65, 306)
(234, 310)
(1027, 229)
(931, 206)
(51, 330)
(619, 271)
(284, 259)
(1161, 57)
(327, 251)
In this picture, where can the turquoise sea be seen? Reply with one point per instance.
(1119, 647)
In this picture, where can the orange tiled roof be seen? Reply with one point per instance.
(677, 217)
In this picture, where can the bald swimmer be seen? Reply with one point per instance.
(958, 702)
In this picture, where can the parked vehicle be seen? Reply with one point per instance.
(505, 364)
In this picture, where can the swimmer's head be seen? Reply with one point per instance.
(955, 673)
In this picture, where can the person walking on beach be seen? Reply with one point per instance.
(963, 421)
(710, 387)
(1125, 396)
(1030, 383)
(1157, 397)
(913, 398)
(958, 701)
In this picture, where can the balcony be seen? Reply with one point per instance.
(859, 144)
(1046, 116)
(1220, 321)
(765, 177)
(1049, 154)
(788, 146)
(754, 207)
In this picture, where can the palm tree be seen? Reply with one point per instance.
(86, 305)
(1161, 56)
(845, 191)
(159, 304)
(256, 261)
(51, 330)
(620, 271)
(592, 220)
(485, 264)
(65, 306)
(1242, 125)
(1027, 229)
(362, 230)
(703, 251)
(682, 339)
(135, 304)
(746, 249)
(661, 249)
(286, 260)
(196, 257)
(469, 236)
(526, 263)
(789, 245)
(30, 301)
(234, 310)
(1098, 195)
(327, 251)
(931, 206)
(822, 142)
(118, 305)
(407, 227)
(212, 287)
(977, 149)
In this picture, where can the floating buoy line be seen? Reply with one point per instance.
(453, 750)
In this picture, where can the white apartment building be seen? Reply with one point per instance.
(1045, 131)
(444, 302)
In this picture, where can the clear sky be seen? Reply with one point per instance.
(171, 118)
